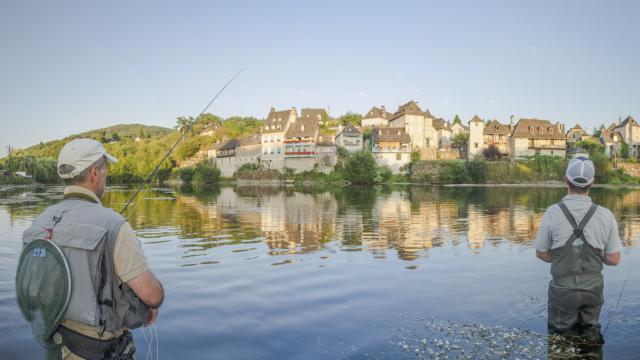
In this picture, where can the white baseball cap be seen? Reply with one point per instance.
(79, 154)
(580, 171)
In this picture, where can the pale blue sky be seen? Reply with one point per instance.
(71, 66)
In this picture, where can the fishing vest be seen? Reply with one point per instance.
(86, 232)
(576, 261)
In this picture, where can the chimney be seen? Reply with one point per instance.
(619, 119)
(272, 109)
(382, 108)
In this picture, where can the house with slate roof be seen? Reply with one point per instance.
(350, 138)
(391, 147)
(538, 137)
(498, 135)
(300, 144)
(272, 135)
(378, 117)
(629, 130)
(229, 155)
(444, 133)
(611, 140)
(417, 124)
(576, 133)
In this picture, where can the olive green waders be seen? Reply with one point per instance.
(576, 290)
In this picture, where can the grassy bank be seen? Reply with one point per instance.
(537, 169)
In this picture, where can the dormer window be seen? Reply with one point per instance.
(302, 127)
(531, 129)
(550, 130)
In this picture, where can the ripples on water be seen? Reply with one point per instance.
(349, 273)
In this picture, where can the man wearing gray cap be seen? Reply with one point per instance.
(112, 288)
(577, 237)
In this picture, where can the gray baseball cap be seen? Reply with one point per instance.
(79, 154)
(580, 171)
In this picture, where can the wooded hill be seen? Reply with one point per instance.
(138, 147)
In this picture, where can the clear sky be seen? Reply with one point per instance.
(72, 66)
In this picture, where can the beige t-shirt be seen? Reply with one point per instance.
(129, 262)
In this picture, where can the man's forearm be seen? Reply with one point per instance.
(544, 256)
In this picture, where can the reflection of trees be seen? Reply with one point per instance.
(410, 220)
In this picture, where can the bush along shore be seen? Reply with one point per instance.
(357, 168)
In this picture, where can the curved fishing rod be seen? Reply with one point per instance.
(155, 170)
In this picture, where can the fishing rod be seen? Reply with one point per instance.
(617, 307)
(155, 170)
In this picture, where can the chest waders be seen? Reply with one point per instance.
(575, 292)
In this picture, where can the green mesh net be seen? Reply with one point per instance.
(43, 286)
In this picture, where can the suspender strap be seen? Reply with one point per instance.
(578, 230)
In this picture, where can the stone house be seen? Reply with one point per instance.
(538, 137)
(458, 128)
(378, 117)
(300, 144)
(350, 138)
(629, 130)
(272, 136)
(327, 155)
(391, 147)
(443, 132)
(475, 146)
(498, 135)
(230, 155)
(576, 133)
(417, 124)
(611, 141)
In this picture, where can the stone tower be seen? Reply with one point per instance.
(476, 137)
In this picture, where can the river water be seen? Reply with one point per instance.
(354, 273)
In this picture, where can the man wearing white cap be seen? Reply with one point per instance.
(577, 237)
(109, 271)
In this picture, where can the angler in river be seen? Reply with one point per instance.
(577, 237)
(83, 280)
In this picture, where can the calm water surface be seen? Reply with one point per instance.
(352, 273)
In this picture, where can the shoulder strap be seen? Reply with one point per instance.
(578, 230)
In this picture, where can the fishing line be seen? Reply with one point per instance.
(624, 285)
(150, 177)
(155, 330)
(144, 333)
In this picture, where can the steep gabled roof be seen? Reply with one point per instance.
(495, 128)
(231, 144)
(537, 129)
(303, 128)
(441, 124)
(378, 113)
(317, 114)
(350, 129)
(410, 108)
(396, 134)
(475, 118)
(249, 140)
(276, 118)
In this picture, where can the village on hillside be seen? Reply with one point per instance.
(311, 139)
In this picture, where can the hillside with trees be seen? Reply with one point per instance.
(138, 148)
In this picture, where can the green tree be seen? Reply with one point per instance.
(360, 168)
(624, 150)
(590, 146)
(115, 136)
(206, 173)
(456, 119)
(460, 140)
(350, 118)
(186, 174)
